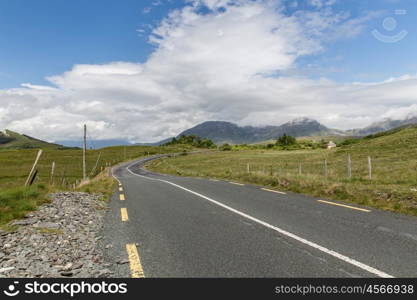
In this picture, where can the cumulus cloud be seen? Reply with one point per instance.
(213, 60)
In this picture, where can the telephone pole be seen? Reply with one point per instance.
(84, 153)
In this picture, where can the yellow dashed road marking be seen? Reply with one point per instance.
(236, 183)
(274, 191)
(123, 213)
(343, 205)
(122, 197)
(136, 269)
(214, 180)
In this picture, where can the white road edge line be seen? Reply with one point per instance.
(282, 231)
(112, 174)
(274, 191)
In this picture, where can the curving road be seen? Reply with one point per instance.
(168, 226)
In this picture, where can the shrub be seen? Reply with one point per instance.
(225, 147)
(192, 140)
(286, 140)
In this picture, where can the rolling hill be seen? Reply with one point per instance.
(384, 125)
(13, 140)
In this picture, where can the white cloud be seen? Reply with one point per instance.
(217, 65)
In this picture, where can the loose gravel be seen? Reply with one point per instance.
(60, 239)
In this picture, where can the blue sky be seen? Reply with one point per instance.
(47, 37)
(171, 64)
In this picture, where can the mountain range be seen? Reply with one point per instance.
(223, 132)
(226, 132)
(94, 144)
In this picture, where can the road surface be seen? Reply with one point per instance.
(168, 226)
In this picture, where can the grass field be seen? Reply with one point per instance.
(16, 201)
(394, 170)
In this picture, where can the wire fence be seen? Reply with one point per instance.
(377, 168)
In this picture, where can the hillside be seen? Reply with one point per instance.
(384, 125)
(13, 140)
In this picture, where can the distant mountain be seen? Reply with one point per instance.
(226, 132)
(95, 144)
(154, 143)
(13, 140)
(384, 125)
(218, 131)
(306, 127)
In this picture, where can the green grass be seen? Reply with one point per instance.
(394, 163)
(16, 164)
(102, 184)
(16, 200)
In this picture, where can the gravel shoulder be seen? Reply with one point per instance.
(60, 239)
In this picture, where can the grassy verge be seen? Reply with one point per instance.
(16, 201)
(16, 164)
(101, 184)
(393, 185)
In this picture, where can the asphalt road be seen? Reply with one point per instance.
(190, 227)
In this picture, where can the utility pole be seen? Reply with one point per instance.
(84, 153)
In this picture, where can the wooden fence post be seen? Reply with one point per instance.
(63, 178)
(349, 166)
(32, 179)
(370, 168)
(51, 181)
(248, 168)
(325, 168)
(95, 166)
(299, 168)
(29, 179)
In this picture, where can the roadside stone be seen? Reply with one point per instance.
(60, 239)
(24, 222)
(67, 273)
(123, 261)
(47, 225)
(4, 270)
(104, 273)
